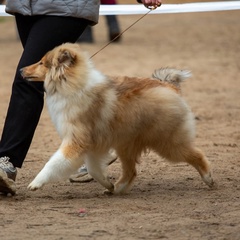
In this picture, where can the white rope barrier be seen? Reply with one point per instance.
(169, 8)
(130, 9)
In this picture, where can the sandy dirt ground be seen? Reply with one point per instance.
(167, 201)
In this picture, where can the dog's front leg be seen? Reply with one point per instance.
(96, 165)
(59, 167)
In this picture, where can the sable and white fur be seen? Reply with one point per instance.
(94, 113)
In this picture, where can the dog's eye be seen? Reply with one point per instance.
(41, 63)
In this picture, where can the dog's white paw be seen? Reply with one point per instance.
(207, 178)
(33, 186)
(107, 192)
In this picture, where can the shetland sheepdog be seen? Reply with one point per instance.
(94, 113)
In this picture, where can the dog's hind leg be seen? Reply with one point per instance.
(60, 166)
(192, 156)
(129, 172)
(96, 166)
(196, 158)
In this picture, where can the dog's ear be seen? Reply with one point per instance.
(66, 57)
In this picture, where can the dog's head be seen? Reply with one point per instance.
(61, 68)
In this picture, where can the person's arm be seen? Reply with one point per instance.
(151, 3)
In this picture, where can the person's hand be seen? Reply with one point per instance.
(152, 3)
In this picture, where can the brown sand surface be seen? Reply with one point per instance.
(167, 201)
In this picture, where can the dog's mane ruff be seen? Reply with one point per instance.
(92, 77)
(79, 89)
(95, 78)
(171, 76)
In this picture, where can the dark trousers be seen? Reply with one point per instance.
(38, 35)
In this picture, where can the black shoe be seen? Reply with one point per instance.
(8, 175)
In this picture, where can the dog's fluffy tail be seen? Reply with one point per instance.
(171, 75)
